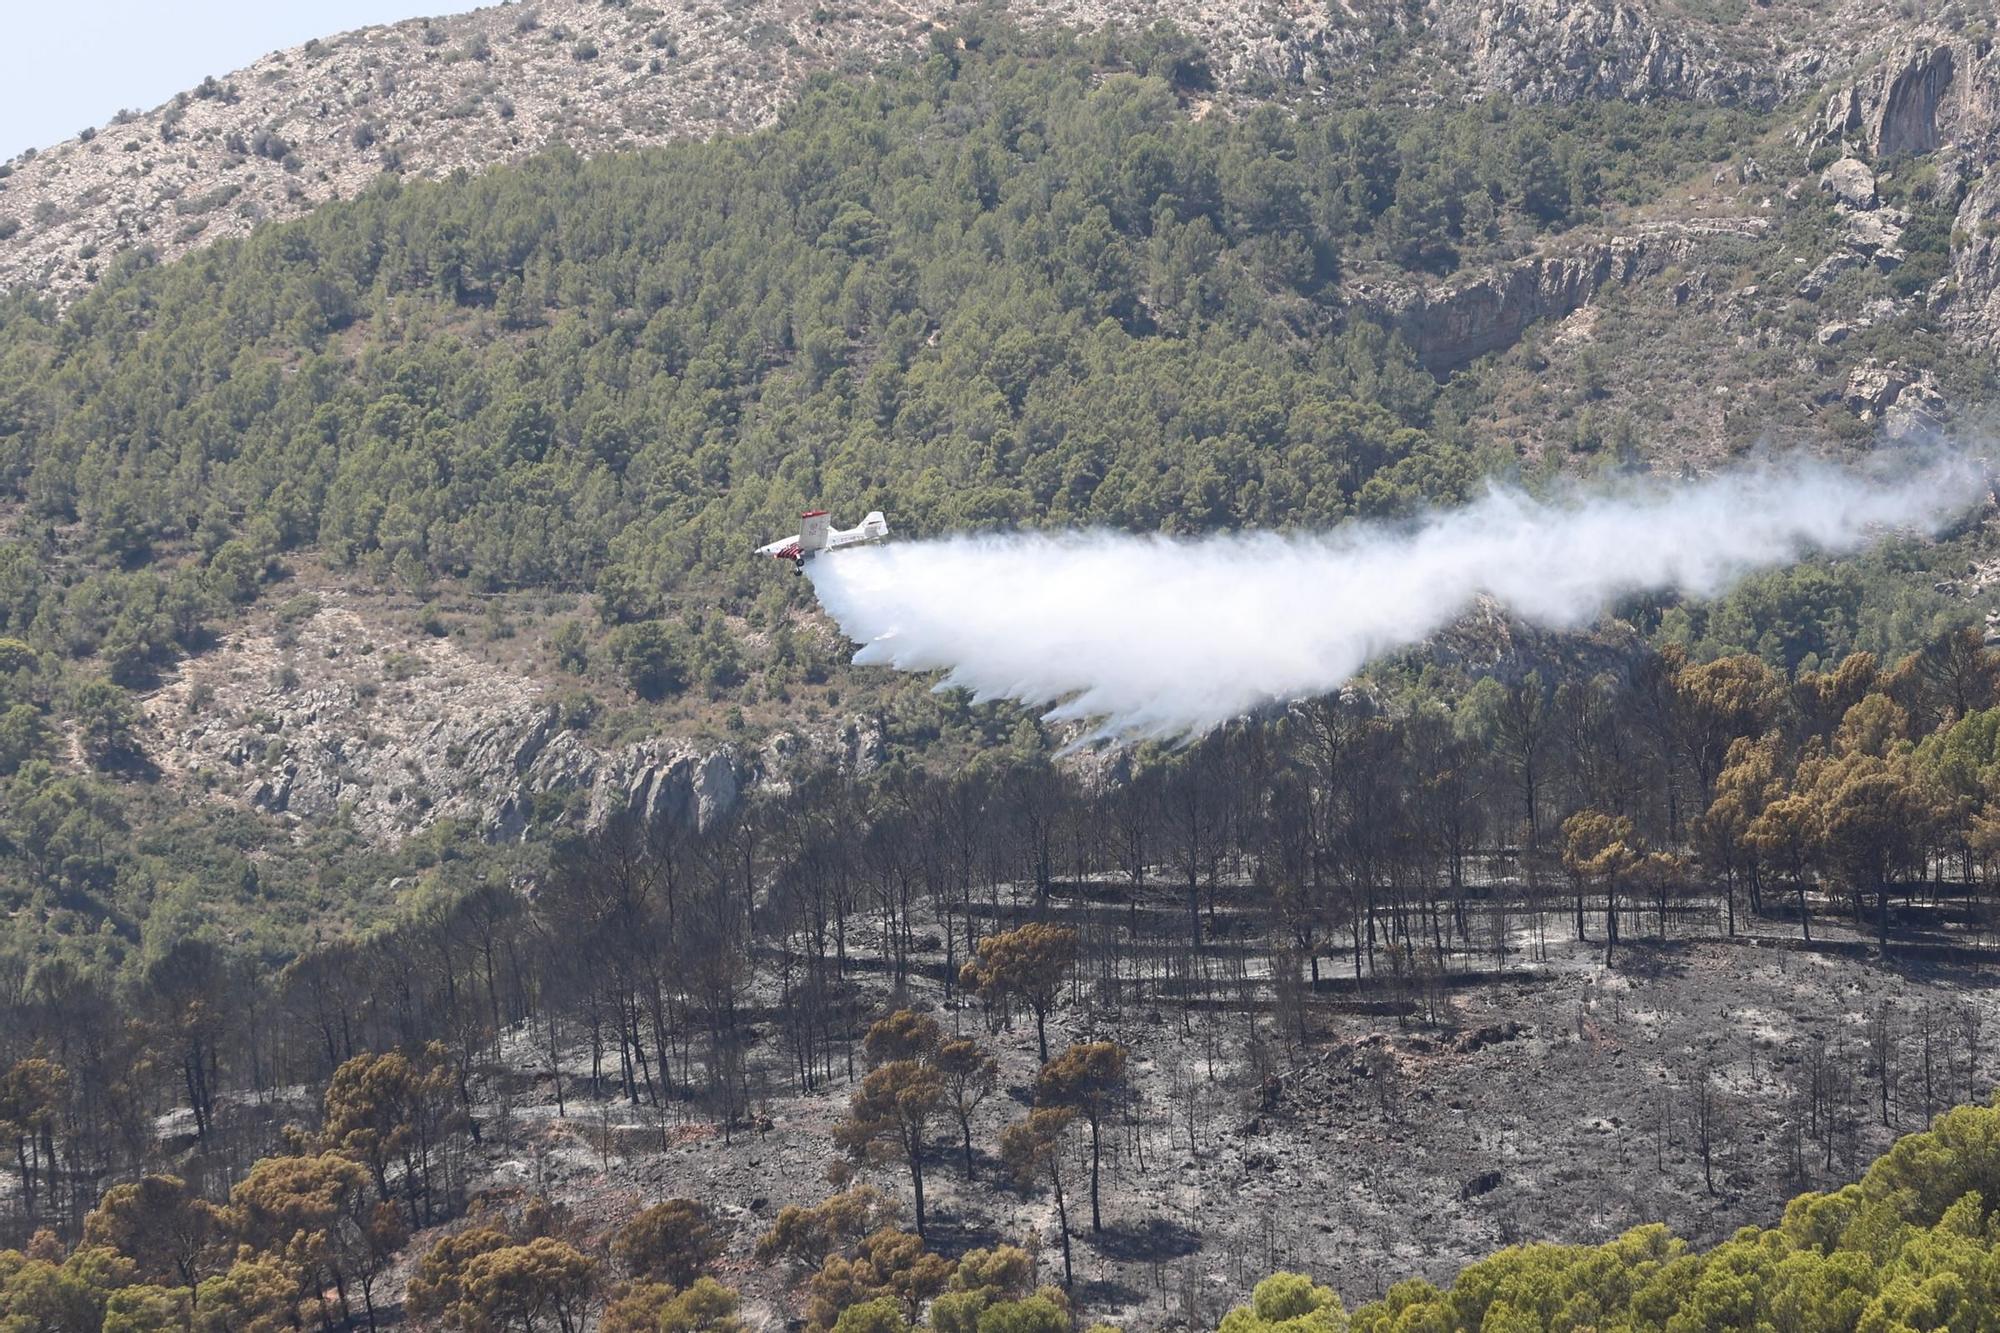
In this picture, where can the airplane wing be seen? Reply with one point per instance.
(816, 534)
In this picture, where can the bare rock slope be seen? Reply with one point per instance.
(334, 717)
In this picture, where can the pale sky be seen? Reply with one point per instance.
(67, 65)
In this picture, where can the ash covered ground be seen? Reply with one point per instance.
(1417, 1125)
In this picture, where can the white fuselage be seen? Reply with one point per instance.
(816, 535)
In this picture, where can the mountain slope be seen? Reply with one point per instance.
(1028, 278)
(427, 97)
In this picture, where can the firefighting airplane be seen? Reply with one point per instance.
(816, 535)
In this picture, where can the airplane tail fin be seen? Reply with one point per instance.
(812, 531)
(875, 525)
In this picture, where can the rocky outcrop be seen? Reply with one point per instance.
(1464, 319)
(1895, 107)
(1872, 388)
(655, 782)
(1869, 230)
(1850, 181)
(1920, 410)
(1905, 402)
(1938, 94)
(424, 97)
(326, 721)
(1570, 50)
(1974, 307)
(1906, 121)
(1935, 94)
(1823, 274)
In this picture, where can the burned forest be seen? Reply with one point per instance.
(1421, 976)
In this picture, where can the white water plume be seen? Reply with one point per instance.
(1161, 637)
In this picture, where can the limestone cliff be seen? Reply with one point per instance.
(1934, 95)
(1461, 320)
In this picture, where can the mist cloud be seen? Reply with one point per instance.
(1159, 637)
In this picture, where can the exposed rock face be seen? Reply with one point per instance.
(1569, 50)
(396, 737)
(1895, 107)
(1907, 120)
(321, 121)
(1938, 95)
(656, 782)
(1934, 93)
(1975, 262)
(1919, 410)
(1466, 318)
(1876, 233)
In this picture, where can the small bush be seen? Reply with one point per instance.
(651, 657)
(297, 610)
(577, 710)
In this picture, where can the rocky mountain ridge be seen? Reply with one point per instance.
(431, 96)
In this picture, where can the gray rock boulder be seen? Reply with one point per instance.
(1920, 410)
(1872, 388)
(1850, 181)
(1875, 233)
(1822, 276)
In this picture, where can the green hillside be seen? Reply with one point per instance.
(1017, 282)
